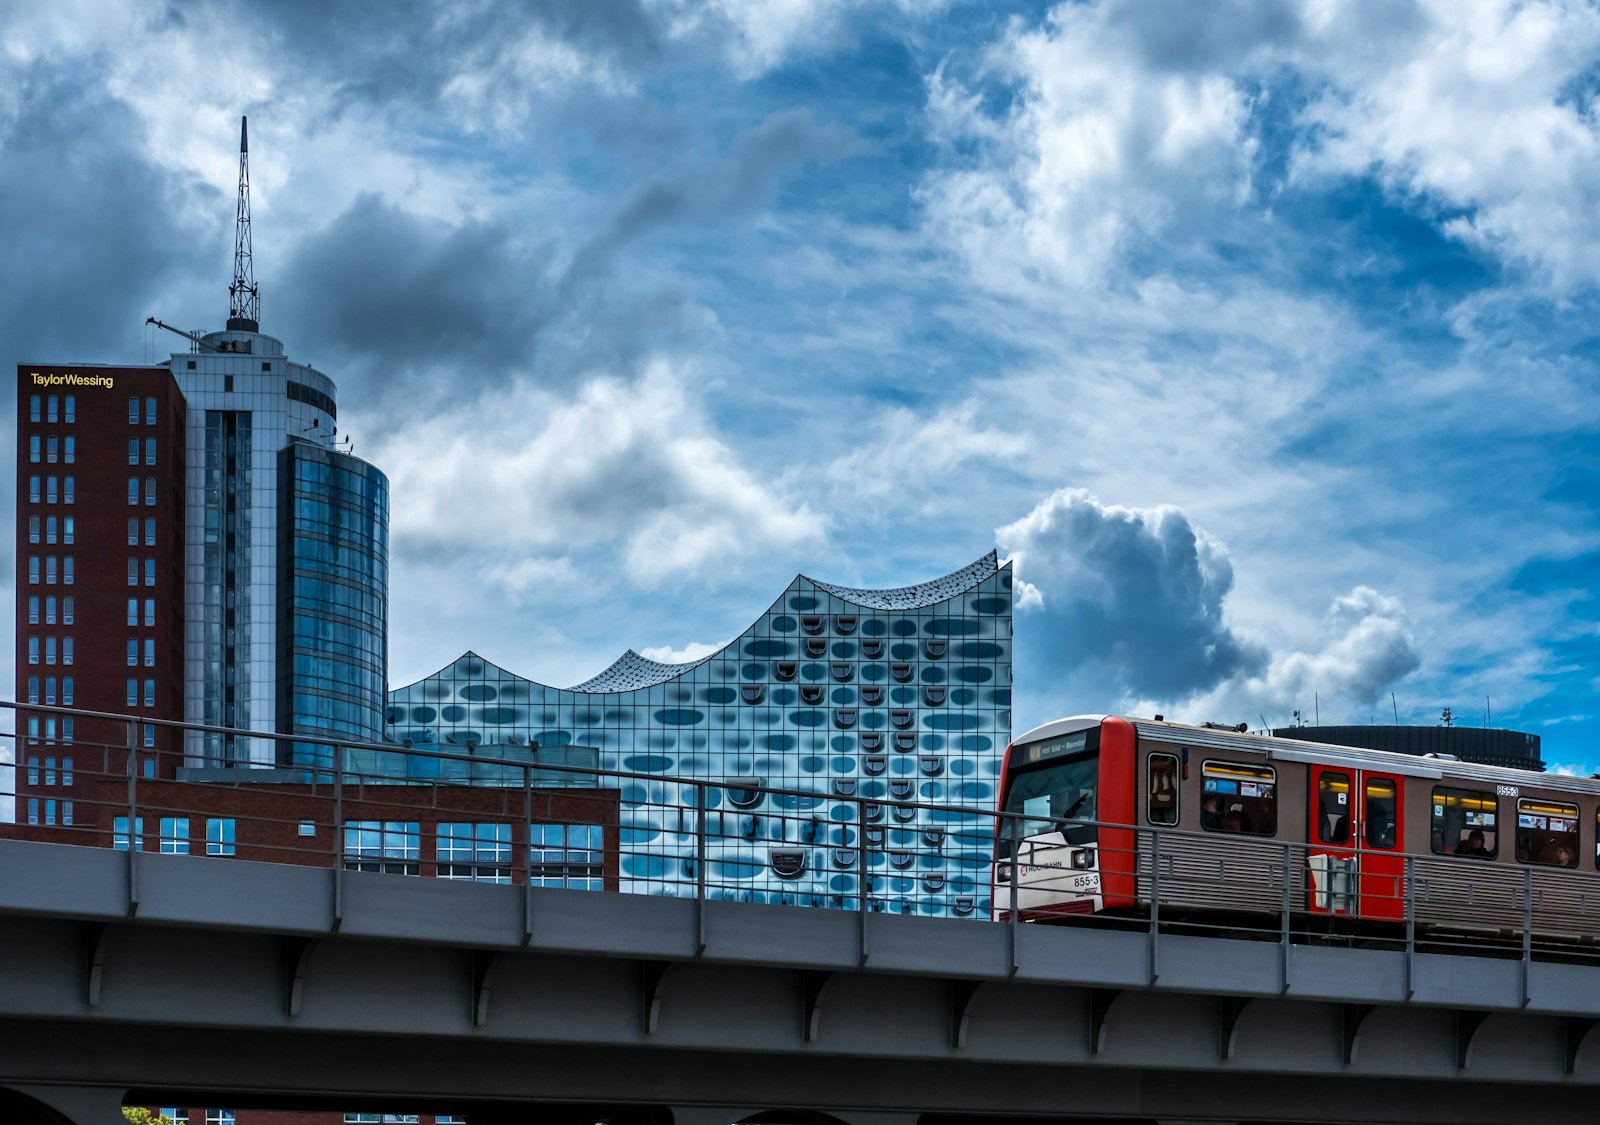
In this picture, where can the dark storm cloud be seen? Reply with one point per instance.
(382, 294)
(1126, 602)
(382, 50)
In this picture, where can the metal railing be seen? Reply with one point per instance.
(538, 825)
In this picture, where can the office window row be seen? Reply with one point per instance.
(66, 695)
(149, 411)
(149, 491)
(50, 570)
(51, 530)
(149, 611)
(47, 730)
(47, 648)
(50, 603)
(149, 693)
(149, 571)
(149, 531)
(48, 408)
(48, 771)
(149, 647)
(43, 811)
(561, 855)
(53, 488)
(50, 448)
(174, 839)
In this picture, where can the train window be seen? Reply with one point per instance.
(1465, 822)
(1239, 799)
(1163, 795)
(1547, 832)
(1333, 808)
(1379, 817)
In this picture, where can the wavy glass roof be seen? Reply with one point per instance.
(923, 593)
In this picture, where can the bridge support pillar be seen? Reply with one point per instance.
(66, 1105)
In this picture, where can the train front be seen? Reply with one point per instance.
(1062, 790)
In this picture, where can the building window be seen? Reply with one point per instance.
(33, 408)
(149, 451)
(52, 446)
(133, 491)
(69, 529)
(33, 689)
(150, 531)
(33, 769)
(566, 855)
(49, 650)
(49, 771)
(150, 420)
(50, 810)
(66, 695)
(149, 611)
(174, 835)
(133, 652)
(72, 408)
(149, 652)
(33, 569)
(66, 650)
(50, 405)
(49, 690)
(219, 835)
(133, 572)
(33, 448)
(149, 734)
(33, 609)
(33, 529)
(133, 451)
(66, 812)
(477, 852)
(149, 572)
(150, 491)
(119, 834)
(66, 730)
(133, 412)
(66, 771)
(149, 693)
(66, 570)
(49, 570)
(133, 531)
(133, 693)
(50, 490)
(69, 494)
(50, 529)
(71, 450)
(382, 845)
(33, 489)
(133, 611)
(33, 650)
(33, 810)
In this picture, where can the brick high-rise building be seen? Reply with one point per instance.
(100, 592)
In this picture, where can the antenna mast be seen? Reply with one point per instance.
(244, 298)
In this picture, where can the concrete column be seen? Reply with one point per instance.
(64, 1105)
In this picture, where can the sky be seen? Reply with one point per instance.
(1259, 334)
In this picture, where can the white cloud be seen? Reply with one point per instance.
(690, 652)
(920, 458)
(631, 463)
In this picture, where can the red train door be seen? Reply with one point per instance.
(1355, 865)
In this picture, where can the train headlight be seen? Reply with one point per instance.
(1002, 873)
(1082, 861)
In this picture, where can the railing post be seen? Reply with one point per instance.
(1155, 904)
(338, 839)
(135, 837)
(699, 868)
(527, 854)
(1527, 933)
(1411, 925)
(1014, 954)
(861, 826)
(1288, 902)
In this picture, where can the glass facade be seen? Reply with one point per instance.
(333, 600)
(895, 696)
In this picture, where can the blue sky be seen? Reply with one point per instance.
(1260, 334)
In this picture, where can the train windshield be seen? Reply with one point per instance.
(1059, 780)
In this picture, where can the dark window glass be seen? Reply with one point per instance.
(1379, 818)
(1547, 833)
(1333, 808)
(1239, 799)
(1465, 823)
(1162, 801)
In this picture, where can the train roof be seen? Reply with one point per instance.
(1297, 750)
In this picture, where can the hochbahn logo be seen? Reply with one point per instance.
(72, 380)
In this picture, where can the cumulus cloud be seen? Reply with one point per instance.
(1125, 124)
(1124, 608)
(631, 463)
(690, 652)
(1124, 601)
(912, 457)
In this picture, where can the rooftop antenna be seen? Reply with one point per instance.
(244, 297)
(1396, 705)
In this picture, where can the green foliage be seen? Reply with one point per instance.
(139, 1115)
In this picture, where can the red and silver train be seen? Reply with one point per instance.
(1237, 818)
